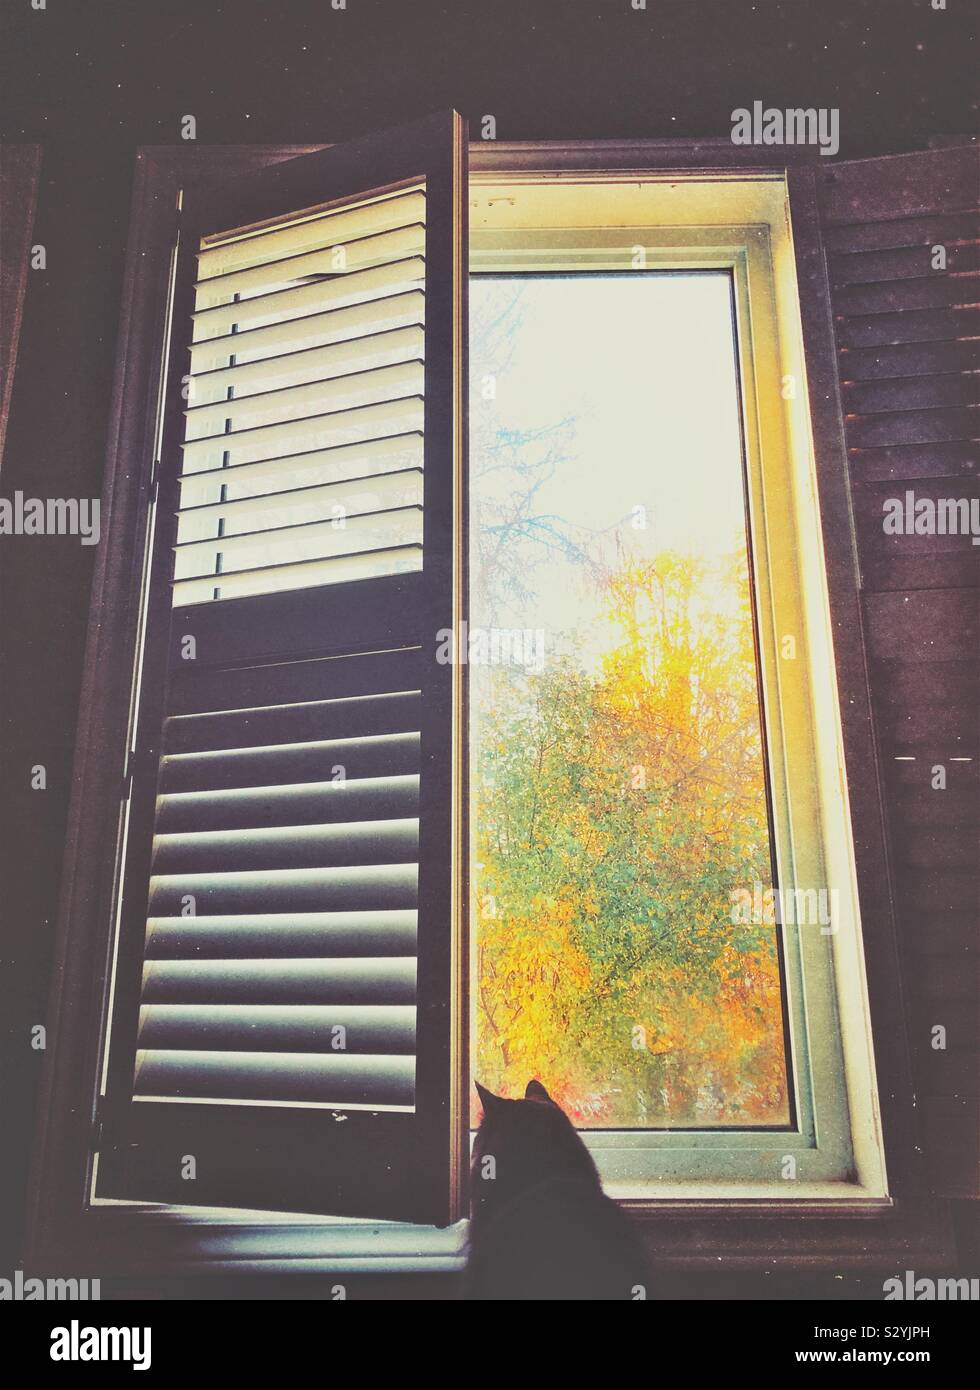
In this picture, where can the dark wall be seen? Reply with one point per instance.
(92, 81)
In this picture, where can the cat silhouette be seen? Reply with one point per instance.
(541, 1226)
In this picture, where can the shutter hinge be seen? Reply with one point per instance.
(139, 762)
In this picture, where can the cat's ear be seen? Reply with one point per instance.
(535, 1091)
(488, 1100)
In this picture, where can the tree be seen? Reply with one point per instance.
(616, 809)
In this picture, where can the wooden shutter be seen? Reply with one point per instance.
(287, 1017)
(907, 335)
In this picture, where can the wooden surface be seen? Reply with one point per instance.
(20, 167)
(908, 360)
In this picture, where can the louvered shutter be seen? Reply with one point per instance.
(902, 248)
(287, 1018)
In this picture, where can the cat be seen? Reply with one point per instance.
(541, 1226)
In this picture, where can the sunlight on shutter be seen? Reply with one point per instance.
(303, 446)
(290, 822)
(293, 982)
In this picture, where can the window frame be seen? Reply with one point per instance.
(745, 232)
(63, 1232)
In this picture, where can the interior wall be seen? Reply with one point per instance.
(91, 91)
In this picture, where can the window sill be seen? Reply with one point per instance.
(768, 1199)
(230, 1242)
(749, 1226)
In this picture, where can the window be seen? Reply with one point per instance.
(684, 601)
(326, 879)
(619, 789)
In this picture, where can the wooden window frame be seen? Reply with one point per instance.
(20, 173)
(742, 230)
(695, 1230)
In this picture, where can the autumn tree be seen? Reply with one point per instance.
(618, 803)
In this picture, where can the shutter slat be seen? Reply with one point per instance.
(913, 326)
(277, 1077)
(285, 628)
(316, 363)
(901, 296)
(912, 427)
(906, 263)
(911, 393)
(346, 291)
(909, 359)
(368, 798)
(340, 464)
(384, 1029)
(227, 420)
(366, 674)
(381, 933)
(317, 720)
(334, 226)
(265, 579)
(296, 542)
(287, 847)
(374, 980)
(318, 502)
(899, 232)
(355, 424)
(375, 755)
(286, 890)
(339, 325)
(333, 260)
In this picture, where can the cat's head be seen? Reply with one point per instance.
(521, 1143)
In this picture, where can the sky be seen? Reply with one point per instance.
(633, 379)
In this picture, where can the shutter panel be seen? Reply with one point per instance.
(907, 338)
(287, 1017)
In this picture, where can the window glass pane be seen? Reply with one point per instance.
(619, 794)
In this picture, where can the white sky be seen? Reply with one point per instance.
(644, 366)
